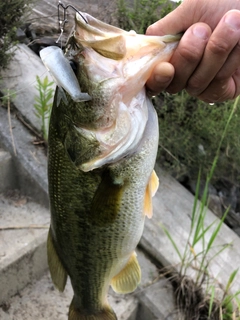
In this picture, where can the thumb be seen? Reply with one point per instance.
(179, 20)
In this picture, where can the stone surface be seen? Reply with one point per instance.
(157, 302)
(7, 172)
(173, 208)
(30, 161)
(41, 301)
(215, 205)
(23, 233)
(20, 79)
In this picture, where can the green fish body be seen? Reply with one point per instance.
(102, 151)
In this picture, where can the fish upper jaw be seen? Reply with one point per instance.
(113, 42)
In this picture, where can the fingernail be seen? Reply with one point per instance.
(233, 20)
(201, 32)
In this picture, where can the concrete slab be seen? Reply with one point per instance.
(7, 172)
(157, 302)
(30, 161)
(172, 207)
(42, 301)
(19, 80)
(23, 233)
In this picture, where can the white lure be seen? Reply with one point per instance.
(59, 67)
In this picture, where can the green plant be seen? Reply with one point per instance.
(7, 96)
(142, 13)
(12, 12)
(190, 131)
(44, 103)
(191, 297)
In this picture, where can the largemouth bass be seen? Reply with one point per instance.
(103, 140)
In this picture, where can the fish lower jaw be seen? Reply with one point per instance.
(123, 138)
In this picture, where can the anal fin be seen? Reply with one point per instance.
(128, 278)
(150, 192)
(57, 271)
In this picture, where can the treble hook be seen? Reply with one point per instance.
(63, 21)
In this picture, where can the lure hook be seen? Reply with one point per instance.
(62, 19)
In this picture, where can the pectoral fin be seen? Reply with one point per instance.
(150, 192)
(57, 271)
(128, 279)
(106, 201)
(154, 181)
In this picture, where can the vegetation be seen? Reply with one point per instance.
(12, 12)
(43, 103)
(198, 296)
(143, 13)
(190, 131)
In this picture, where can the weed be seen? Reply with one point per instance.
(44, 103)
(191, 297)
(190, 131)
(12, 12)
(143, 13)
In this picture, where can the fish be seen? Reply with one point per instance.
(102, 147)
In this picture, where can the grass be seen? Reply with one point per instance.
(43, 103)
(142, 13)
(190, 131)
(13, 13)
(197, 296)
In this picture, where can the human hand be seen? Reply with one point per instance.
(206, 63)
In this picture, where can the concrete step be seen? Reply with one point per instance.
(23, 231)
(40, 300)
(7, 172)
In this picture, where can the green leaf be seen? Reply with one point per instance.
(172, 241)
(211, 302)
(231, 279)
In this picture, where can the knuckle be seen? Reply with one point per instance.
(190, 54)
(221, 76)
(217, 93)
(218, 47)
(194, 84)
